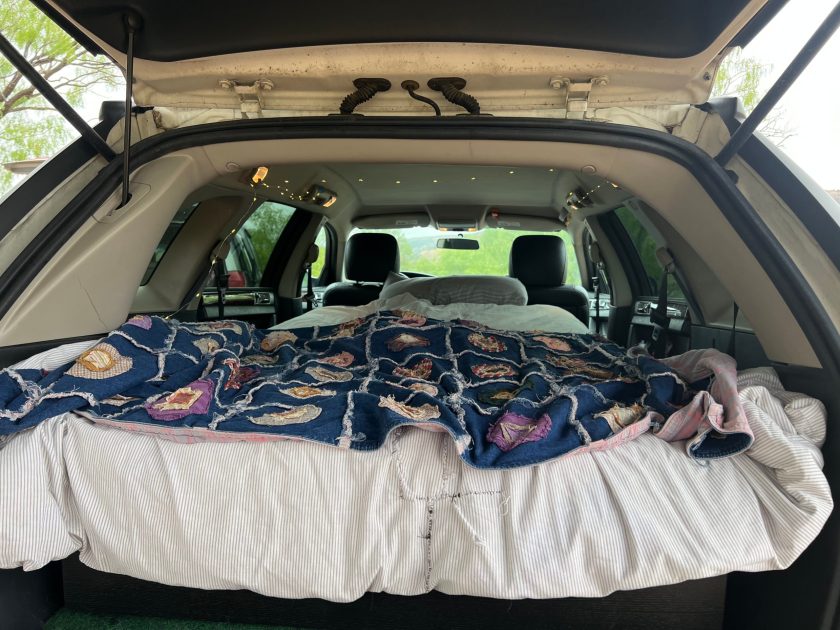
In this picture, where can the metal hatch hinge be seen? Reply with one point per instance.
(577, 92)
(250, 96)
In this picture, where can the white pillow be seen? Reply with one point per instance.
(457, 289)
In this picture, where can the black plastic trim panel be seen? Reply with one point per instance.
(282, 251)
(29, 598)
(794, 289)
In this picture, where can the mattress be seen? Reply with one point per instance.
(294, 520)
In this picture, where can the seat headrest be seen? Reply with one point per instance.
(538, 260)
(312, 254)
(368, 257)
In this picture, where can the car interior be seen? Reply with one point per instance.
(587, 229)
(270, 220)
(370, 203)
(562, 199)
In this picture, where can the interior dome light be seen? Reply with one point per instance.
(259, 174)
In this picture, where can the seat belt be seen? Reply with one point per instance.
(659, 346)
(596, 284)
(311, 257)
(309, 298)
(731, 348)
(217, 264)
(597, 260)
(222, 281)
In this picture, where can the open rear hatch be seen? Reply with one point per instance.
(528, 57)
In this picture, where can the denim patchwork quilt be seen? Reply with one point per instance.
(507, 398)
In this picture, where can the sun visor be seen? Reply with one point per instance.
(392, 221)
(508, 221)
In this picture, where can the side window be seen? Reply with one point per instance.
(250, 246)
(253, 243)
(646, 247)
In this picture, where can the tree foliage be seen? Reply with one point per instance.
(29, 126)
(742, 76)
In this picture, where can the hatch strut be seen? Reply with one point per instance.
(777, 91)
(55, 99)
(132, 25)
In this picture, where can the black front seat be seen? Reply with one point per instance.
(367, 260)
(539, 262)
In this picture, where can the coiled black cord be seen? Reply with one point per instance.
(456, 96)
(366, 89)
(451, 88)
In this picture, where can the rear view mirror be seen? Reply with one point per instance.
(457, 243)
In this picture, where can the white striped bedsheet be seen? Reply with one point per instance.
(291, 519)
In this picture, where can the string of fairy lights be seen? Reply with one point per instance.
(258, 178)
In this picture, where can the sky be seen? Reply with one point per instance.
(812, 105)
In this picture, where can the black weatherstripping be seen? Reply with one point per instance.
(794, 289)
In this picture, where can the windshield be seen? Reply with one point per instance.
(419, 252)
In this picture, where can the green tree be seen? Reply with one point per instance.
(29, 126)
(741, 76)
